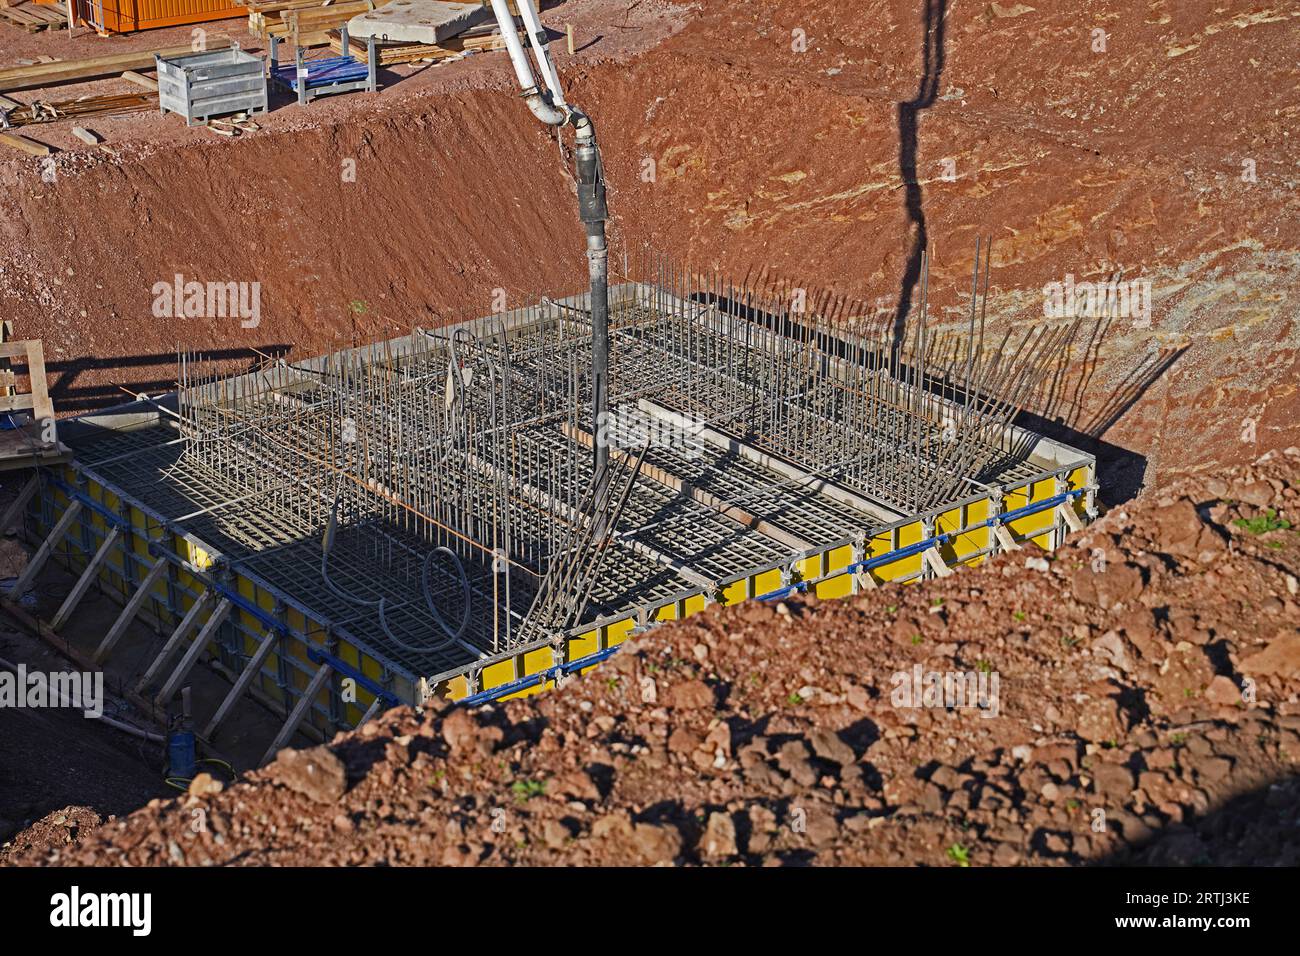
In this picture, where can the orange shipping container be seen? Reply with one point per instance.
(128, 16)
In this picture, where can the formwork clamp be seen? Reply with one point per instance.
(558, 660)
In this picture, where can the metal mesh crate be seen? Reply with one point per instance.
(200, 86)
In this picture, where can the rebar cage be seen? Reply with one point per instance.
(430, 502)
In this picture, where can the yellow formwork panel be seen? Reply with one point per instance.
(839, 586)
(1077, 480)
(582, 645)
(371, 668)
(535, 662)
(457, 687)
(320, 721)
(838, 558)
(617, 632)
(267, 684)
(140, 539)
(735, 592)
(970, 542)
(498, 673)
(908, 534)
(964, 548)
(948, 522)
(1026, 527)
(878, 545)
(353, 711)
(539, 659)
(347, 652)
(767, 582)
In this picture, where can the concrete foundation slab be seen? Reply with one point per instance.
(418, 21)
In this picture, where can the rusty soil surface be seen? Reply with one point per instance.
(1146, 710)
(817, 142)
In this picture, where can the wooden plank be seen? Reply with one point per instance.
(1005, 538)
(178, 635)
(84, 582)
(21, 17)
(25, 145)
(934, 559)
(86, 136)
(43, 553)
(250, 671)
(393, 54)
(19, 504)
(375, 707)
(338, 12)
(140, 79)
(42, 407)
(295, 717)
(192, 654)
(15, 403)
(129, 612)
(59, 110)
(1070, 516)
(46, 74)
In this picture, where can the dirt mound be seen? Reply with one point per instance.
(52, 834)
(1134, 697)
(823, 142)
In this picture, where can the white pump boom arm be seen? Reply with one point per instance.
(549, 106)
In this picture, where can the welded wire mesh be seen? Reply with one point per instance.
(446, 479)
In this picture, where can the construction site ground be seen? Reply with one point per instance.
(731, 149)
(766, 733)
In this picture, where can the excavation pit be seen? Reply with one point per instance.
(420, 517)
